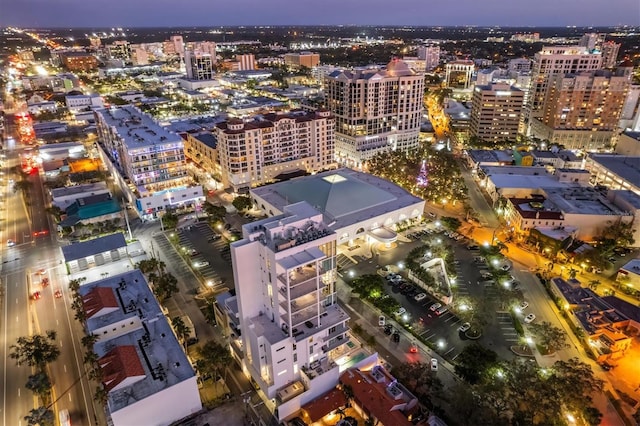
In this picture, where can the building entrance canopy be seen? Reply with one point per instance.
(384, 235)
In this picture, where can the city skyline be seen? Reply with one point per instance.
(147, 13)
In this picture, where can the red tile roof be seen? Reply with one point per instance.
(325, 404)
(118, 364)
(98, 299)
(373, 398)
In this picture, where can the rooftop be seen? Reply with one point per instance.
(78, 189)
(343, 196)
(581, 200)
(83, 249)
(632, 266)
(625, 167)
(137, 348)
(325, 404)
(138, 130)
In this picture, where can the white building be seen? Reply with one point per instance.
(146, 160)
(246, 62)
(376, 110)
(356, 205)
(257, 151)
(458, 74)
(292, 327)
(65, 196)
(431, 56)
(520, 65)
(199, 65)
(81, 102)
(615, 171)
(148, 378)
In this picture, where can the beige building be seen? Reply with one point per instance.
(246, 62)
(629, 144)
(257, 151)
(552, 60)
(495, 112)
(458, 74)
(201, 149)
(581, 111)
(376, 110)
(302, 59)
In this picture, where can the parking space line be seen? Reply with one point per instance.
(424, 332)
(447, 352)
(430, 336)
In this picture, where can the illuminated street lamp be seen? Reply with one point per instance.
(400, 265)
(352, 273)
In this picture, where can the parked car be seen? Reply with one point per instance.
(434, 364)
(441, 310)
(464, 327)
(382, 321)
(435, 307)
(10, 243)
(420, 296)
(529, 318)
(505, 267)
(388, 329)
(200, 264)
(524, 305)
(400, 311)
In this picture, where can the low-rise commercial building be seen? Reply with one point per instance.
(615, 171)
(145, 372)
(64, 197)
(95, 252)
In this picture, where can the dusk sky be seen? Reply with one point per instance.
(136, 13)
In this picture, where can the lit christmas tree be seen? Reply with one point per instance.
(422, 179)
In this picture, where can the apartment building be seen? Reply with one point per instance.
(202, 149)
(582, 111)
(495, 112)
(78, 61)
(246, 62)
(552, 60)
(293, 330)
(430, 55)
(302, 59)
(147, 160)
(376, 110)
(199, 66)
(458, 74)
(257, 151)
(145, 372)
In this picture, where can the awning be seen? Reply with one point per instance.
(384, 235)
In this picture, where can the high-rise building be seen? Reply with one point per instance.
(582, 110)
(293, 330)
(431, 56)
(302, 59)
(610, 51)
(199, 65)
(553, 60)
(495, 112)
(119, 49)
(78, 61)
(204, 47)
(592, 41)
(178, 45)
(139, 56)
(376, 110)
(246, 62)
(256, 151)
(147, 160)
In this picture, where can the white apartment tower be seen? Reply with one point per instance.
(257, 151)
(178, 44)
(495, 112)
(246, 62)
(376, 110)
(554, 60)
(431, 56)
(292, 327)
(199, 65)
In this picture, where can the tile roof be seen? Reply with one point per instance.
(119, 364)
(325, 404)
(98, 299)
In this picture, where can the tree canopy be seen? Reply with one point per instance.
(36, 351)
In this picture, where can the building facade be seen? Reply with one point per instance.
(458, 74)
(376, 110)
(430, 55)
(246, 62)
(582, 111)
(292, 327)
(255, 152)
(147, 161)
(495, 112)
(199, 66)
(302, 59)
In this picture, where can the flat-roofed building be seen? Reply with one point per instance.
(302, 59)
(495, 112)
(145, 372)
(615, 171)
(148, 161)
(629, 144)
(199, 65)
(78, 61)
(458, 74)
(376, 110)
(293, 331)
(257, 151)
(202, 149)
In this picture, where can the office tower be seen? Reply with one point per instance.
(458, 74)
(199, 65)
(246, 62)
(147, 160)
(553, 60)
(292, 328)
(302, 59)
(431, 56)
(376, 110)
(119, 49)
(204, 47)
(592, 41)
(582, 110)
(520, 65)
(139, 55)
(256, 151)
(495, 112)
(177, 43)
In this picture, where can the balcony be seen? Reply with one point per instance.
(339, 330)
(334, 343)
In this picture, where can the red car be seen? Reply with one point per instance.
(45, 282)
(36, 295)
(58, 294)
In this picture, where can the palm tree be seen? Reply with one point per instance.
(36, 351)
(39, 384)
(181, 329)
(593, 284)
(89, 340)
(101, 395)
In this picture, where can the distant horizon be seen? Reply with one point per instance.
(235, 13)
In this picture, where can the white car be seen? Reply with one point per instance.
(529, 318)
(420, 296)
(435, 306)
(382, 321)
(434, 364)
(400, 312)
(464, 327)
(524, 305)
(11, 243)
(200, 264)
